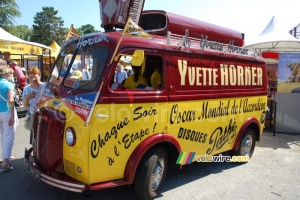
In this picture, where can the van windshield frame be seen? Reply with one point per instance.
(79, 68)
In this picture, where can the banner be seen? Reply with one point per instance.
(289, 73)
(72, 33)
(19, 48)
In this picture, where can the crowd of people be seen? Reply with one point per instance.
(29, 90)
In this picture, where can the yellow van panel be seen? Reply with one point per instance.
(202, 126)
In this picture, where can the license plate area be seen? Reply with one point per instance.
(32, 171)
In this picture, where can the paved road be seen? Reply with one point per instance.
(272, 173)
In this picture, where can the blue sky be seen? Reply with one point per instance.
(247, 16)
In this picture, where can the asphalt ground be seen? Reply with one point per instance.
(272, 173)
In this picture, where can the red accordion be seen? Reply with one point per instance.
(114, 13)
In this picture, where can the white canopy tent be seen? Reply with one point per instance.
(7, 38)
(274, 39)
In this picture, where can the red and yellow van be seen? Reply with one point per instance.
(91, 134)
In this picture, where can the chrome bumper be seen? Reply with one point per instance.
(32, 169)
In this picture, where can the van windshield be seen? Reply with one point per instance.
(79, 68)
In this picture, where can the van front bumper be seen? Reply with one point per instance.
(40, 176)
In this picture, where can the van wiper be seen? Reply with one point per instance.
(79, 86)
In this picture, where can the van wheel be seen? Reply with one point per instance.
(247, 144)
(151, 173)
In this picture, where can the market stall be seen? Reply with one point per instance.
(29, 53)
(283, 50)
(22, 52)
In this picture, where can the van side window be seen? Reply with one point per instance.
(145, 77)
(152, 21)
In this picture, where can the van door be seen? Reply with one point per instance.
(125, 117)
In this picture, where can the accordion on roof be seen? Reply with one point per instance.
(114, 13)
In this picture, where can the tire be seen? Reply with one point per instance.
(247, 143)
(151, 173)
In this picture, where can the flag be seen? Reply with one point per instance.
(131, 29)
(72, 32)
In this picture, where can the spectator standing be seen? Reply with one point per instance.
(24, 72)
(35, 86)
(21, 78)
(6, 57)
(63, 71)
(8, 116)
(121, 75)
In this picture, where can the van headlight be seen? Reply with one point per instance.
(70, 136)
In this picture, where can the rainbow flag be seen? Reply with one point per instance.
(185, 158)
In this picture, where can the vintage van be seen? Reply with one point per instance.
(91, 134)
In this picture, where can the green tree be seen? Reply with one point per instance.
(48, 27)
(88, 28)
(22, 31)
(8, 11)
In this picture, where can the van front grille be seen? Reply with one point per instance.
(48, 140)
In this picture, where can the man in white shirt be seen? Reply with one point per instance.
(121, 75)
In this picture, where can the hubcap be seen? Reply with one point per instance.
(246, 145)
(157, 174)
